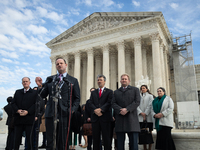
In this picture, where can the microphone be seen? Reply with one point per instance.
(66, 80)
(48, 80)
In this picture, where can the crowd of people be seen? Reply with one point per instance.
(53, 108)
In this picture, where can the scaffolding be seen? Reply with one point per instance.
(184, 69)
(185, 82)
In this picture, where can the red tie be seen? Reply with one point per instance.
(100, 93)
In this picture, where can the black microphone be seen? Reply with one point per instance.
(66, 80)
(48, 80)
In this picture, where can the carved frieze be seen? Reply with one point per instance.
(154, 36)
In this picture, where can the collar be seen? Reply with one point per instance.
(26, 90)
(64, 74)
(101, 89)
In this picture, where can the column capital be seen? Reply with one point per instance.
(154, 36)
(120, 43)
(161, 43)
(137, 40)
(77, 54)
(89, 51)
(105, 47)
(53, 58)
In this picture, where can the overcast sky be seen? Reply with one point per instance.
(26, 26)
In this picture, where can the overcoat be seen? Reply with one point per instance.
(24, 101)
(129, 99)
(145, 107)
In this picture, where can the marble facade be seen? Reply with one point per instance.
(113, 43)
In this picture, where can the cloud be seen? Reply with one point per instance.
(37, 29)
(121, 5)
(9, 54)
(174, 5)
(6, 60)
(25, 63)
(136, 3)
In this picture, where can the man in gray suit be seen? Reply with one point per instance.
(125, 102)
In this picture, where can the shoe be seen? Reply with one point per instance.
(43, 146)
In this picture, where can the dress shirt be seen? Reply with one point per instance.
(101, 90)
(26, 90)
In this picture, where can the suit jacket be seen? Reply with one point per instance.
(24, 101)
(129, 99)
(63, 104)
(104, 102)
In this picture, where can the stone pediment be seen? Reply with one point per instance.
(101, 21)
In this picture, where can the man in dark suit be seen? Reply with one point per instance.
(100, 104)
(125, 102)
(10, 122)
(67, 92)
(23, 105)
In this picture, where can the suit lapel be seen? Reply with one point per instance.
(104, 91)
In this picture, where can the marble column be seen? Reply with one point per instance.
(157, 70)
(67, 62)
(90, 71)
(77, 67)
(167, 69)
(113, 70)
(144, 61)
(84, 80)
(128, 62)
(121, 60)
(162, 65)
(106, 71)
(53, 69)
(150, 66)
(98, 67)
(138, 59)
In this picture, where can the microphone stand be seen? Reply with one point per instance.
(56, 98)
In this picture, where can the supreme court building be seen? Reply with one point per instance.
(114, 43)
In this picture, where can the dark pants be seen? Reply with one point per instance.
(18, 135)
(61, 133)
(89, 138)
(44, 141)
(133, 140)
(99, 128)
(10, 139)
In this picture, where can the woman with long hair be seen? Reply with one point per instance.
(144, 111)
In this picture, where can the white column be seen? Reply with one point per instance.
(162, 65)
(144, 61)
(113, 70)
(77, 67)
(53, 63)
(150, 67)
(67, 62)
(138, 59)
(84, 80)
(167, 71)
(106, 71)
(121, 60)
(128, 62)
(98, 67)
(157, 70)
(90, 71)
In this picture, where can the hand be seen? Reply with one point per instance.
(113, 118)
(123, 111)
(24, 113)
(158, 115)
(19, 111)
(38, 81)
(89, 119)
(143, 115)
(98, 112)
(36, 118)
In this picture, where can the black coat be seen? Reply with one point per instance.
(24, 101)
(129, 99)
(88, 111)
(65, 93)
(9, 110)
(104, 102)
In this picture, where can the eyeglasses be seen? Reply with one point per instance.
(159, 91)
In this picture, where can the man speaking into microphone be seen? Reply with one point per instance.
(63, 91)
